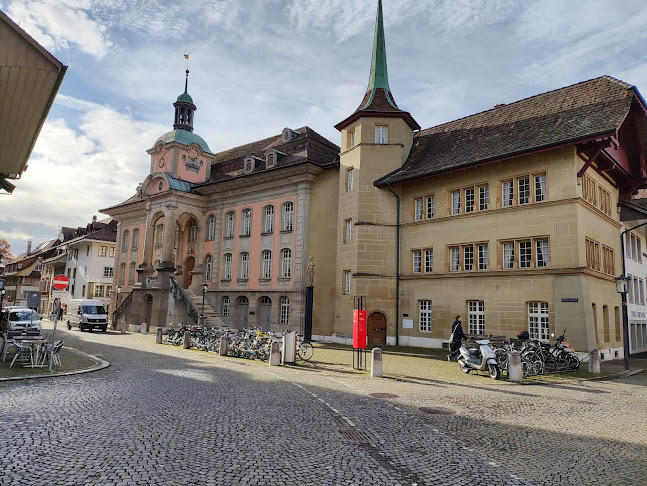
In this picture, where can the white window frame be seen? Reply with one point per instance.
(225, 306)
(429, 260)
(484, 197)
(268, 225)
(286, 263)
(231, 224)
(431, 206)
(349, 179)
(508, 255)
(538, 321)
(456, 202)
(108, 272)
(247, 222)
(507, 193)
(476, 316)
(227, 266)
(416, 260)
(208, 266)
(267, 264)
(540, 187)
(347, 282)
(468, 258)
(425, 315)
(381, 134)
(288, 216)
(483, 256)
(135, 244)
(285, 311)
(348, 230)
(212, 227)
(418, 209)
(244, 265)
(454, 258)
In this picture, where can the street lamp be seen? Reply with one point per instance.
(117, 291)
(205, 287)
(621, 288)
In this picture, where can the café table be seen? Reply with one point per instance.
(35, 343)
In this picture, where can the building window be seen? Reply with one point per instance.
(122, 272)
(605, 201)
(131, 273)
(111, 252)
(247, 222)
(469, 200)
(525, 253)
(225, 306)
(211, 225)
(98, 290)
(417, 261)
(349, 179)
(270, 160)
(608, 261)
(231, 222)
(483, 256)
(507, 193)
(431, 207)
(641, 291)
(526, 194)
(524, 190)
(244, 265)
(630, 289)
(538, 320)
(605, 324)
(108, 272)
(348, 230)
(351, 138)
(286, 263)
(124, 240)
(208, 266)
(159, 230)
(592, 254)
(542, 253)
(476, 316)
(418, 209)
(288, 213)
(135, 239)
(268, 224)
(461, 257)
(381, 134)
(468, 258)
(589, 190)
(454, 258)
(540, 188)
(267, 264)
(456, 202)
(103, 251)
(484, 197)
(508, 256)
(193, 231)
(83, 291)
(227, 266)
(429, 260)
(347, 280)
(425, 315)
(285, 311)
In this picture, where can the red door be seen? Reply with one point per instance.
(376, 327)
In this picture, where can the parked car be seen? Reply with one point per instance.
(86, 314)
(21, 318)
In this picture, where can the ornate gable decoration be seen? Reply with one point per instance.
(195, 161)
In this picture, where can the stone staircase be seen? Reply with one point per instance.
(213, 318)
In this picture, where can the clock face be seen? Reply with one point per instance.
(161, 162)
(193, 153)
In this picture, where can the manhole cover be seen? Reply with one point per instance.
(383, 395)
(438, 410)
(357, 435)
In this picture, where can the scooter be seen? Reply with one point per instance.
(482, 359)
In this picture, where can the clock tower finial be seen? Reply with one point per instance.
(184, 107)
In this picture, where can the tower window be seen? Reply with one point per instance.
(381, 134)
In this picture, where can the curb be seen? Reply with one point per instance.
(100, 364)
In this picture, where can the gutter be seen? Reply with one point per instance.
(397, 268)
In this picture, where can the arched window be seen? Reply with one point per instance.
(225, 306)
(208, 263)
(266, 271)
(288, 216)
(227, 267)
(286, 263)
(268, 215)
(270, 160)
(231, 222)
(193, 231)
(211, 234)
(124, 240)
(244, 265)
(285, 310)
(135, 239)
(247, 222)
(266, 300)
(131, 273)
(122, 272)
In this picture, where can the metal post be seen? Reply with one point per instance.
(307, 331)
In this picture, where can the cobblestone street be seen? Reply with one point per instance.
(163, 415)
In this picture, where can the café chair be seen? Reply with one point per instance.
(23, 352)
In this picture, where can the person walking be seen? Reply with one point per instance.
(56, 307)
(457, 337)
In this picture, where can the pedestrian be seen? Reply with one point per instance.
(60, 313)
(456, 338)
(56, 306)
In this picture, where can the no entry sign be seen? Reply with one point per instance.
(61, 282)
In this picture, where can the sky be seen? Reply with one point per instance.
(258, 66)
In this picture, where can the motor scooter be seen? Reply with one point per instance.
(482, 359)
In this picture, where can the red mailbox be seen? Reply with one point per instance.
(359, 329)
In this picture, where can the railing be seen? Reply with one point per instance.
(122, 307)
(182, 298)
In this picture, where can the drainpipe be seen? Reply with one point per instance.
(397, 269)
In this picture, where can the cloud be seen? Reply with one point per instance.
(61, 25)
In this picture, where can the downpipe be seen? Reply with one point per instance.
(397, 268)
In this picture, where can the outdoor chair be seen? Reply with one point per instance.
(23, 352)
(53, 350)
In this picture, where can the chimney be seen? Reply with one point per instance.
(29, 247)
(94, 219)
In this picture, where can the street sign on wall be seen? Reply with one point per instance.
(61, 282)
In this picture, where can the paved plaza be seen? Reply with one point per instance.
(164, 415)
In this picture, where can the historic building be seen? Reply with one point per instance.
(509, 217)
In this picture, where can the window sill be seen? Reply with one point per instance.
(286, 279)
(286, 231)
(267, 233)
(244, 236)
(265, 279)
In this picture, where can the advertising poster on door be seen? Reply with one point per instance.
(359, 329)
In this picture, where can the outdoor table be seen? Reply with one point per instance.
(35, 343)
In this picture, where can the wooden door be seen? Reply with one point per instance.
(376, 328)
(188, 278)
(264, 313)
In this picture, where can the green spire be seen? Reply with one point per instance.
(379, 77)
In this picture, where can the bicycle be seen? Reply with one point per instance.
(305, 349)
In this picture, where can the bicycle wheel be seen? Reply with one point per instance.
(501, 356)
(305, 351)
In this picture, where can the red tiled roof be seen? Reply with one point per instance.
(567, 115)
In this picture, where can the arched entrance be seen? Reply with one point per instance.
(264, 313)
(148, 309)
(376, 327)
(243, 311)
(188, 271)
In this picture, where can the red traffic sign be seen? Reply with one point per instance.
(61, 282)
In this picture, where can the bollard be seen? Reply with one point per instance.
(223, 349)
(144, 329)
(275, 354)
(187, 340)
(377, 365)
(289, 348)
(515, 372)
(158, 338)
(594, 362)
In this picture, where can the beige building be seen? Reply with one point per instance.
(509, 217)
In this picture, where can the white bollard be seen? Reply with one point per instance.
(223, 349)
(377, 365)
(187, 340)
(275, 354)
(144, 328)
(290, 348)
(515, 372)
(594, 362)
(158, 337)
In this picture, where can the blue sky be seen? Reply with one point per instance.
(258, 66)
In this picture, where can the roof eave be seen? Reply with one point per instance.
(406, 116)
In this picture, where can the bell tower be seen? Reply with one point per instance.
(184, 109)
(375, 140)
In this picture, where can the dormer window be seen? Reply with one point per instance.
(270, 160)
(289, 134)
(249, 164)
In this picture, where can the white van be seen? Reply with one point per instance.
(86, 314)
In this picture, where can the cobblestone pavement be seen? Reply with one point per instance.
(163, 415)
